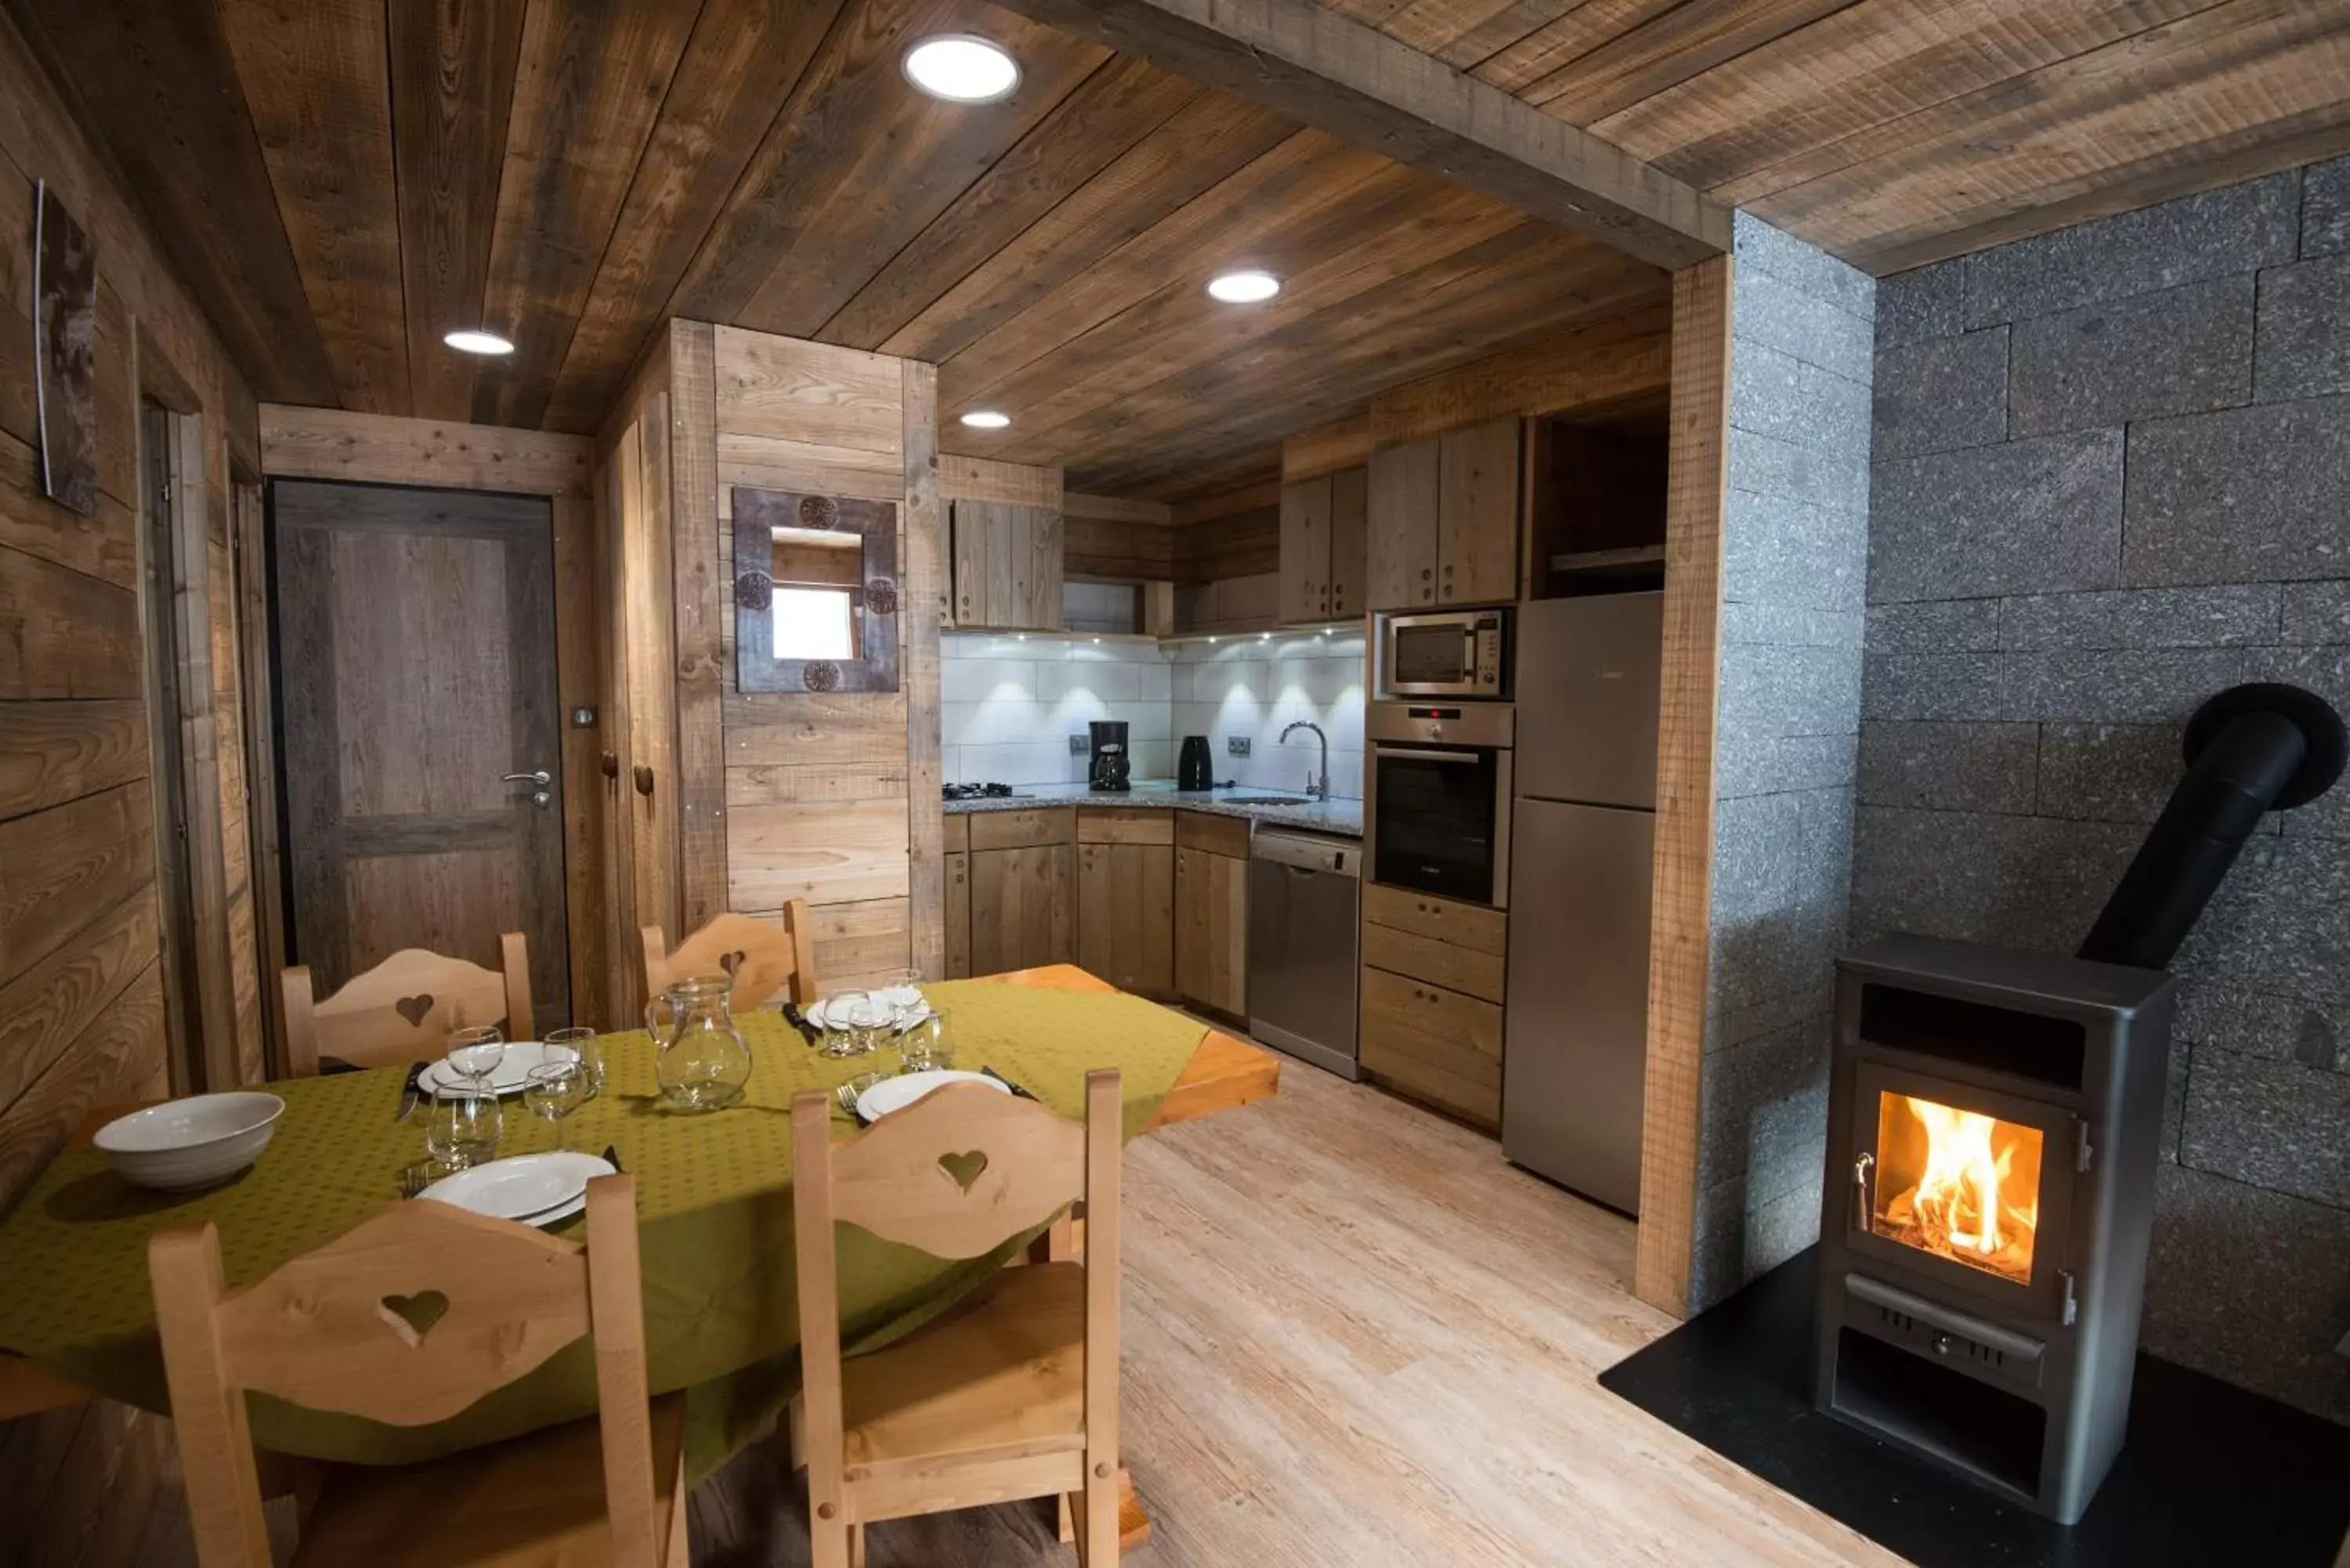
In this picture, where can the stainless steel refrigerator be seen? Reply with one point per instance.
(1583, 836)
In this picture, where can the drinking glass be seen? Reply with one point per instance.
(475, 1053)
(464, 1128)
(852, 1022)
(554, 1090)
(586, 1049)
(928, 1043)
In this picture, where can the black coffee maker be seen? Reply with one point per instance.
(1111, 768)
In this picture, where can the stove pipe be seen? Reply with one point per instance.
(2250, 750)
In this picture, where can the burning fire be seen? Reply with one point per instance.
(1976, 1197)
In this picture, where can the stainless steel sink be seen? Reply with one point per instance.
(1262, 800)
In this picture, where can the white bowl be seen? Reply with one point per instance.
(190, 1143)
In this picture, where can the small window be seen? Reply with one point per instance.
(814, 623)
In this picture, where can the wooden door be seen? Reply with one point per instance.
(1125, 915)
(1020, 908)
(958, 885)
(416, 669)
(1212, 931)
(1349, 542)
(1401, 550)
(1477, 514)
(1306, 551)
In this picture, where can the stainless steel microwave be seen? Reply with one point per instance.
(1454, 653)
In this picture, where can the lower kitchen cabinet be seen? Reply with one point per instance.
(958, 885)
(1023, 893)
(1211, 912)
(1432, 988)
(1125, 899)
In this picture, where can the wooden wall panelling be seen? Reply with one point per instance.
(1309, 454)
(983, 479)
(266, 869)
(327, 443)
(820, 799)
(925, 585)
(1115, 550)
(622, 983)
(1679, 939)
(702, 604)
(648, 576)
(1625, 359)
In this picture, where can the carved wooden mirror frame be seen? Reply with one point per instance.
(757, 515)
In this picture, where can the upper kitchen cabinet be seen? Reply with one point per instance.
(1008, 566)
(1324, 533)
(1443, 519)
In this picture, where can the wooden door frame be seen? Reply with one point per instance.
(387, 448)
(1679, 932)
(197, 874)
(257, 674)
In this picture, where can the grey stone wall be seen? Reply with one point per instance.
(2112, 476)
(1794, 556)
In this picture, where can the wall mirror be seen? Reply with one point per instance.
(815, 592)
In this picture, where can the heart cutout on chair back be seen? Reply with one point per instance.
(964, 1169)
(732, 961)
(412, 1317)
(414, 1008)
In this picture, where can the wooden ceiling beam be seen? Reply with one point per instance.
(1338, 75)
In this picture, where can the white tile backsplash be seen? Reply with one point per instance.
(1011, 703)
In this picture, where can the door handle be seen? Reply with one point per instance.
(542, 778)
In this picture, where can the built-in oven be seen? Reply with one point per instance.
(1453, 653)
(1437, 798)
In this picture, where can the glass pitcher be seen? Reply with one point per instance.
(701, 1057)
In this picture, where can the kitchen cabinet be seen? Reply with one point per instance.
(1023, 868)
(958, 923)
(1306, 551)
(1006, 566)
(1125, 899)
(1350, 490)
(1400, 553)
(1432, 1021)
(1442, 516)
(1211, 912)
(1324, 531)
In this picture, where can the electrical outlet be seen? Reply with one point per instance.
(1080, 745)
(1236, 745)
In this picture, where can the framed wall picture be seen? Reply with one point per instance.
(65, 352)
(815, 592)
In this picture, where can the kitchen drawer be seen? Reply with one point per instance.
(958, 834)
(1422, 914)
(1435, 1044)
(1139, 824)
(1216, 834)
(1416, 957)
(1023, 829)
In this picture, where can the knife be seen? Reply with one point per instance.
(612, 1159)
(797, 1020)
(412, 1092)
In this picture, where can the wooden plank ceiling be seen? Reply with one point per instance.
(343, 180)
(1896, 132)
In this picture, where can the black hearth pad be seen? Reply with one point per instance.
(2210, 1474)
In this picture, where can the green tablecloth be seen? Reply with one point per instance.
(714, 1196)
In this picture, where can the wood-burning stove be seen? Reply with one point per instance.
(1993, 1118)
(1992, 1127)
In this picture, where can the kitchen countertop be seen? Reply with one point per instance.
(1295, 810)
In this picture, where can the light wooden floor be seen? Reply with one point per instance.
(1356, 1338)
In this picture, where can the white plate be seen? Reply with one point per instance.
(895, 1093)
(515, 1067)
(535, 1188)
(904, 1002)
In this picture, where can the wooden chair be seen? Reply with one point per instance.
(351, 1327)
(1014, 1393)
(404, 1009)
(761, 957)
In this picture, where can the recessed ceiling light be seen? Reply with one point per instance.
(986, 419)
(471, 340)
(1251, 287)
(962, 68)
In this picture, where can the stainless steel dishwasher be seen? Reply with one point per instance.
(1304, 937)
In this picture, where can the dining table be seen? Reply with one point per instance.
(714, 1205)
